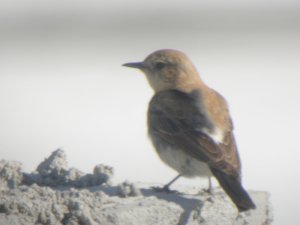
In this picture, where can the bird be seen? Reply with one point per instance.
(190, 126)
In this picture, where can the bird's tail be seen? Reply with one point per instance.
(233, 187)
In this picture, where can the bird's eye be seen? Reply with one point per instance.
(159, 65)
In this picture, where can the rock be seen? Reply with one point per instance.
(128, 189)
(54, 171)
(56, 163)
(10, 174)
(103, 174)
(54, 195)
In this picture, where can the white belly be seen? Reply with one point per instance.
(180, 161)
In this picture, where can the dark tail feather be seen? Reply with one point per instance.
(233, 187)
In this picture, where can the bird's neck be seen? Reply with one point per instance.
(191, 84)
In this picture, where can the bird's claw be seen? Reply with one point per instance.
(208, 190)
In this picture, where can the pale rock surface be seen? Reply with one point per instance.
(57, 195)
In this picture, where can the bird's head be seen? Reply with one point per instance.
(168, 70)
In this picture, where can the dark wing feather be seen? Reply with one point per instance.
(178, 119)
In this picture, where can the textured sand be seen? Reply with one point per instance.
(55, 194)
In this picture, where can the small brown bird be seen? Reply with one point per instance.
(189, 124)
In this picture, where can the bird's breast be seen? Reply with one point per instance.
(178, 159)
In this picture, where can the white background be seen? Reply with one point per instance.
(62, 84)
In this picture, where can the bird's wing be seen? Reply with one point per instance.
(179, 120)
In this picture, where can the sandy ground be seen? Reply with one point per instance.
(55, 194)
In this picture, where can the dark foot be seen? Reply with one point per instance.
(165, 189)
(208, 190)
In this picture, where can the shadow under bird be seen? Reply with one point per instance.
(190, 126)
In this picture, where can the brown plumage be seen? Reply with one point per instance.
(189, 124)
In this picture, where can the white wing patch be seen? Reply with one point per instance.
(217, 135)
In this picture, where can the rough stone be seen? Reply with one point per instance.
(10, 174)
(57, 195)
(54, 171)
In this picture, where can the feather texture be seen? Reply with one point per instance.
(176, 120)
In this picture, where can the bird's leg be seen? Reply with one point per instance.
(209, 190)
(166, 188)
(210, 187)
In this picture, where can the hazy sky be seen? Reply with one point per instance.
(62, 84)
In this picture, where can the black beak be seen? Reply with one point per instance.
(137, 65)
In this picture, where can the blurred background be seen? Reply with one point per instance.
(62, 84)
